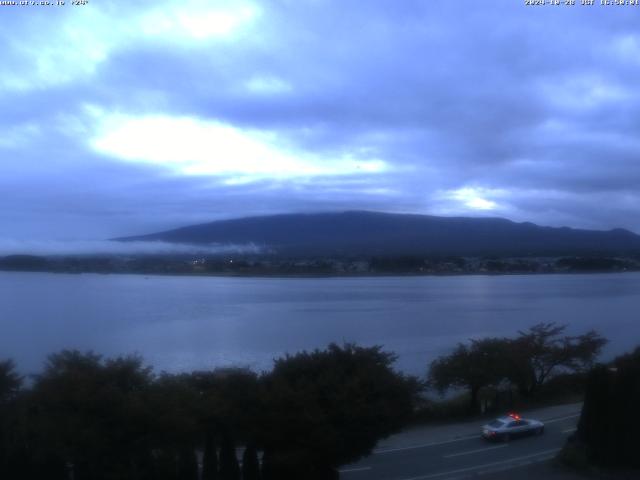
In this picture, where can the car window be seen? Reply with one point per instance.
(512, 424)
(496, 424)
(522, 423)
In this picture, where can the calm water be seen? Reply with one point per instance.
(180, 323)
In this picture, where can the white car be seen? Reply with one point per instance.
(511, 426)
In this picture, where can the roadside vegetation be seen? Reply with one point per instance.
(90, 418)
(85, 417)
(540, 365)
(607, 434)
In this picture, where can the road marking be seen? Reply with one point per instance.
(492, 464)
(562, 418)
(510, 467)
(470, 452)
(357, 469)
(569, 430)
(424, 445)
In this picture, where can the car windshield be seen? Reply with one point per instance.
(496, 424)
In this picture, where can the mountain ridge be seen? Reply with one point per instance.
(357, 232)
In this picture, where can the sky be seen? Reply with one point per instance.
(122, 118)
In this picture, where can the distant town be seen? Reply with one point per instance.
(272, 265)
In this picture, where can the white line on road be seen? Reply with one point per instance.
(562, 418)
(470, 452)
(424, 445)
(469, 469)
(569, 430)
(358, 469)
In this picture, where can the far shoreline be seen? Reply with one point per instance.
(310, 276)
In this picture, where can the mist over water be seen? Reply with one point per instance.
(183, 323)
(10, 246)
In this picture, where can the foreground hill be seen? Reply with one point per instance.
(372, 233)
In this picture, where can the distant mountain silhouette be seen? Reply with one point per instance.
(373, 233)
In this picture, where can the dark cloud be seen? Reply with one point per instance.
(532, 111)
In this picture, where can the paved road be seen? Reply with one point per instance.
(466, 454)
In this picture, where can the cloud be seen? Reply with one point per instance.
(195, 147)
(473, 198)
(70, 44)
(198, 20)
(201, 110)
(267, 85)
(18, 136)
(106, 247)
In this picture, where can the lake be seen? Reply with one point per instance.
(183, 323)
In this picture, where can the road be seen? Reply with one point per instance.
(459, 452)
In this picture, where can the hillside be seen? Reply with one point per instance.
(372, 233)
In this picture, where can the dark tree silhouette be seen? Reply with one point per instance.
(10, 381)
(229, 404)
(542, 351)
(91, 414)
(187, 464)
(166, 464)
(527, 361)
(229, 467)
(329, 407)
(608, 428)
(250, 463)
(210, 458)
(90, 418)
(229, 400)
(474, 366)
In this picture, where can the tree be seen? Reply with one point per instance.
(92, 413)
(10, 381)
(330, 407)
(229, 467)
(250, 463)
(474, 366)
(608, 427)
(210, 458)
(187, 464)
(229, 400)
(229, 403)
(175, 429)
(540, 352)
